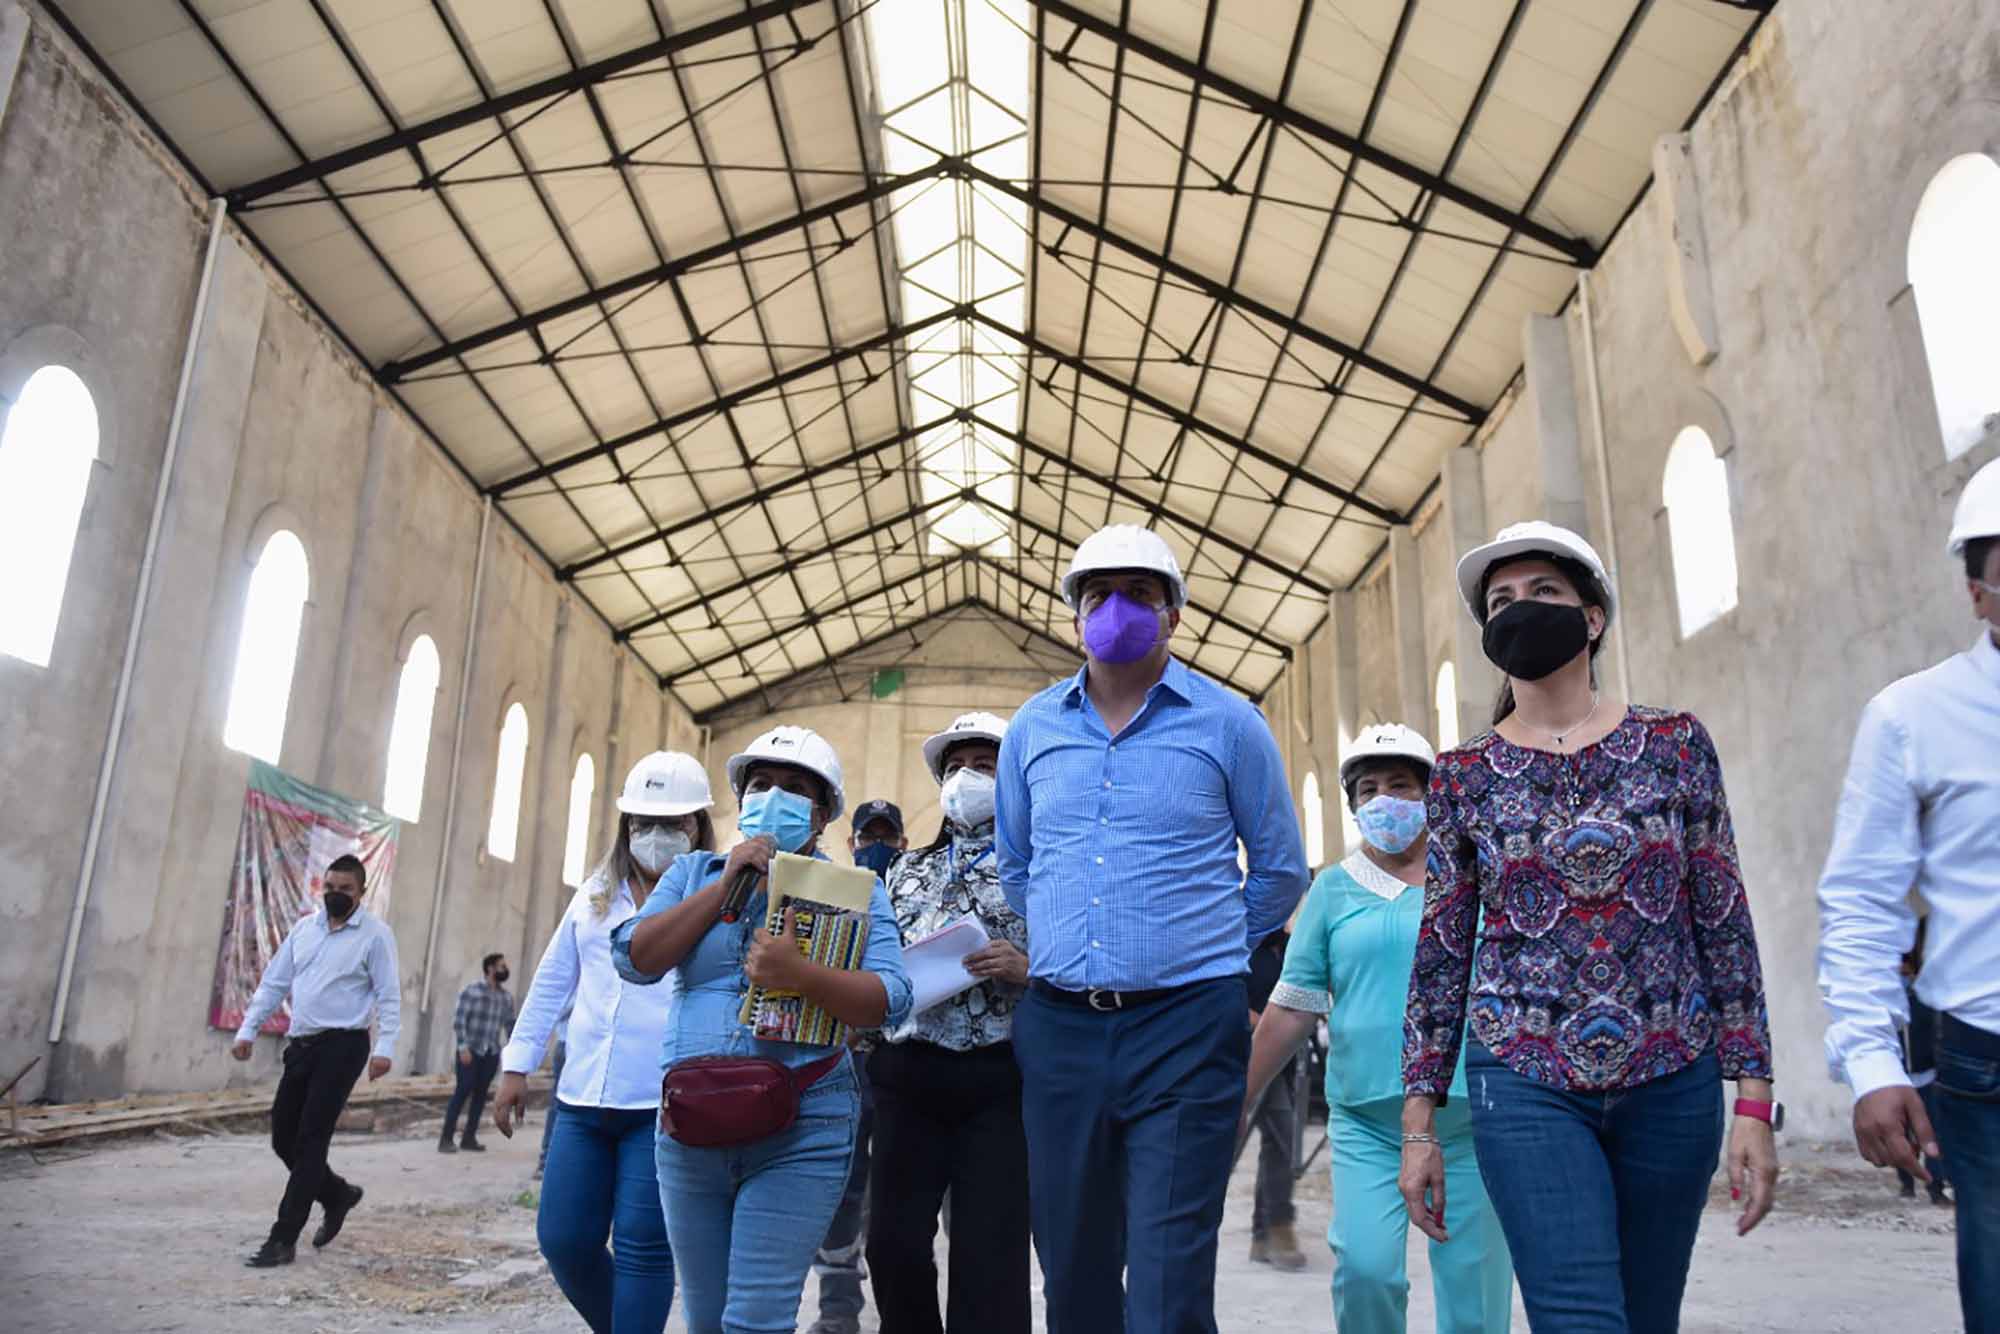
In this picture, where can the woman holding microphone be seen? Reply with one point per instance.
(746, 1216)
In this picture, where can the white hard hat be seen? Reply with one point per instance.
(1386, 741)
(665, 783)
(798, 748)
(965, 727)
(1521, 539)
(1978, 512)
(1124, 546)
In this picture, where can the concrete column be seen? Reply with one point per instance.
(179, 681)
(550, 811)
(1550, 397)
(328, 771)
(1464, 515)
(1690, 293)
(1406, 583)
(1344, 688)
(605, 817)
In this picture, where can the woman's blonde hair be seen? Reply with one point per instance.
(618, 865)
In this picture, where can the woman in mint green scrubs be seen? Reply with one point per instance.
(1349, 961)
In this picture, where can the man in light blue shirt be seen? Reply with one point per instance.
(338, 966)
(1123, 796)
(1917, 821)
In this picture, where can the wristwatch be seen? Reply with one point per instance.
(1771, 1112)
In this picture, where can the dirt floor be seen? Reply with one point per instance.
(147, 1234)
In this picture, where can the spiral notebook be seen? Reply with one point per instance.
(831, 903)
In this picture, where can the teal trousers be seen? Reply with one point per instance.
(1471, 1275)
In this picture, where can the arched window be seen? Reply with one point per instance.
(1315, 822)
(268, 650)
(1696, 491)
(1955, 271)
(576, 844)
(513, 763)
(410, 731)
(46, 449)
(1447, 707)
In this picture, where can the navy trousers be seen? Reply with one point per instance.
(1131, 1120)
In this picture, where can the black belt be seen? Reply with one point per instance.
(1968, 1038)
(325, 1033)
(1101, 999)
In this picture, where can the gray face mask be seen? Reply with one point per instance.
(655, 847)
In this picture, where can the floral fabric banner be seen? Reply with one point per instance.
(291, 830)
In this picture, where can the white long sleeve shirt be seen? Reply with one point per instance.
(1920, 809)
(336, 976)
(613, 1048)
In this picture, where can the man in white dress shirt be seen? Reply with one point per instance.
(1921, 809)
(338, 966)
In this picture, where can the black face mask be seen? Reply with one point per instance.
(1530, 640)
(501, 975)
(339, 904)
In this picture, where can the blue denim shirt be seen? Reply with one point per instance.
(1121, 851)
(710, 982)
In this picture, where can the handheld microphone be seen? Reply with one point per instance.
(739, 893)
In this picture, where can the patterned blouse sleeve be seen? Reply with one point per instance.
(1724, 941)
(1434, 1022)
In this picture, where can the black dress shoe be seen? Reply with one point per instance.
(333, 1216)
(472, 1146)
(272, 1254)
(446, 1146)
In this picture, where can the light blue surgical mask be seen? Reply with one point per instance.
(1391, 823)
(786, 817)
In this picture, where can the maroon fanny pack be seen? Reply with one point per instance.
(719, 1102)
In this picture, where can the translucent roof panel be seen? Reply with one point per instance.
(952, 79)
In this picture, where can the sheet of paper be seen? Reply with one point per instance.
(936, 964)
(822, 882)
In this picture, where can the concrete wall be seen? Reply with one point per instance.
(282, 430)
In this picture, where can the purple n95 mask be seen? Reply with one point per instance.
(1120, 630)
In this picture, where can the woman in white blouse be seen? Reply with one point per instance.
(947, 1090)
(599, 1181)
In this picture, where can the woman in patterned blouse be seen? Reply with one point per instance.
(1585, 913)
(947, 1091)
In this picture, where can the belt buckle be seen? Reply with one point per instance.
(1103, 1001)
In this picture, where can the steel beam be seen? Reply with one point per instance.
(1157, 507)
(1579, 251)
(394, 371)
(723, 509)
(913, 514)
(729, 400)
(816, 615)
(1184, 419)
(1217, 290)
(571, 81)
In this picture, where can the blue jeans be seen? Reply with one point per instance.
(1968, 1128)
(599, 1183)
(745, 1222)
(1131, 1123)
(1599, 1194)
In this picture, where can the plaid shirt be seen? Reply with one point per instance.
(484, 1016)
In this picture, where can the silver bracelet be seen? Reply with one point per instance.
(1420, 1138)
